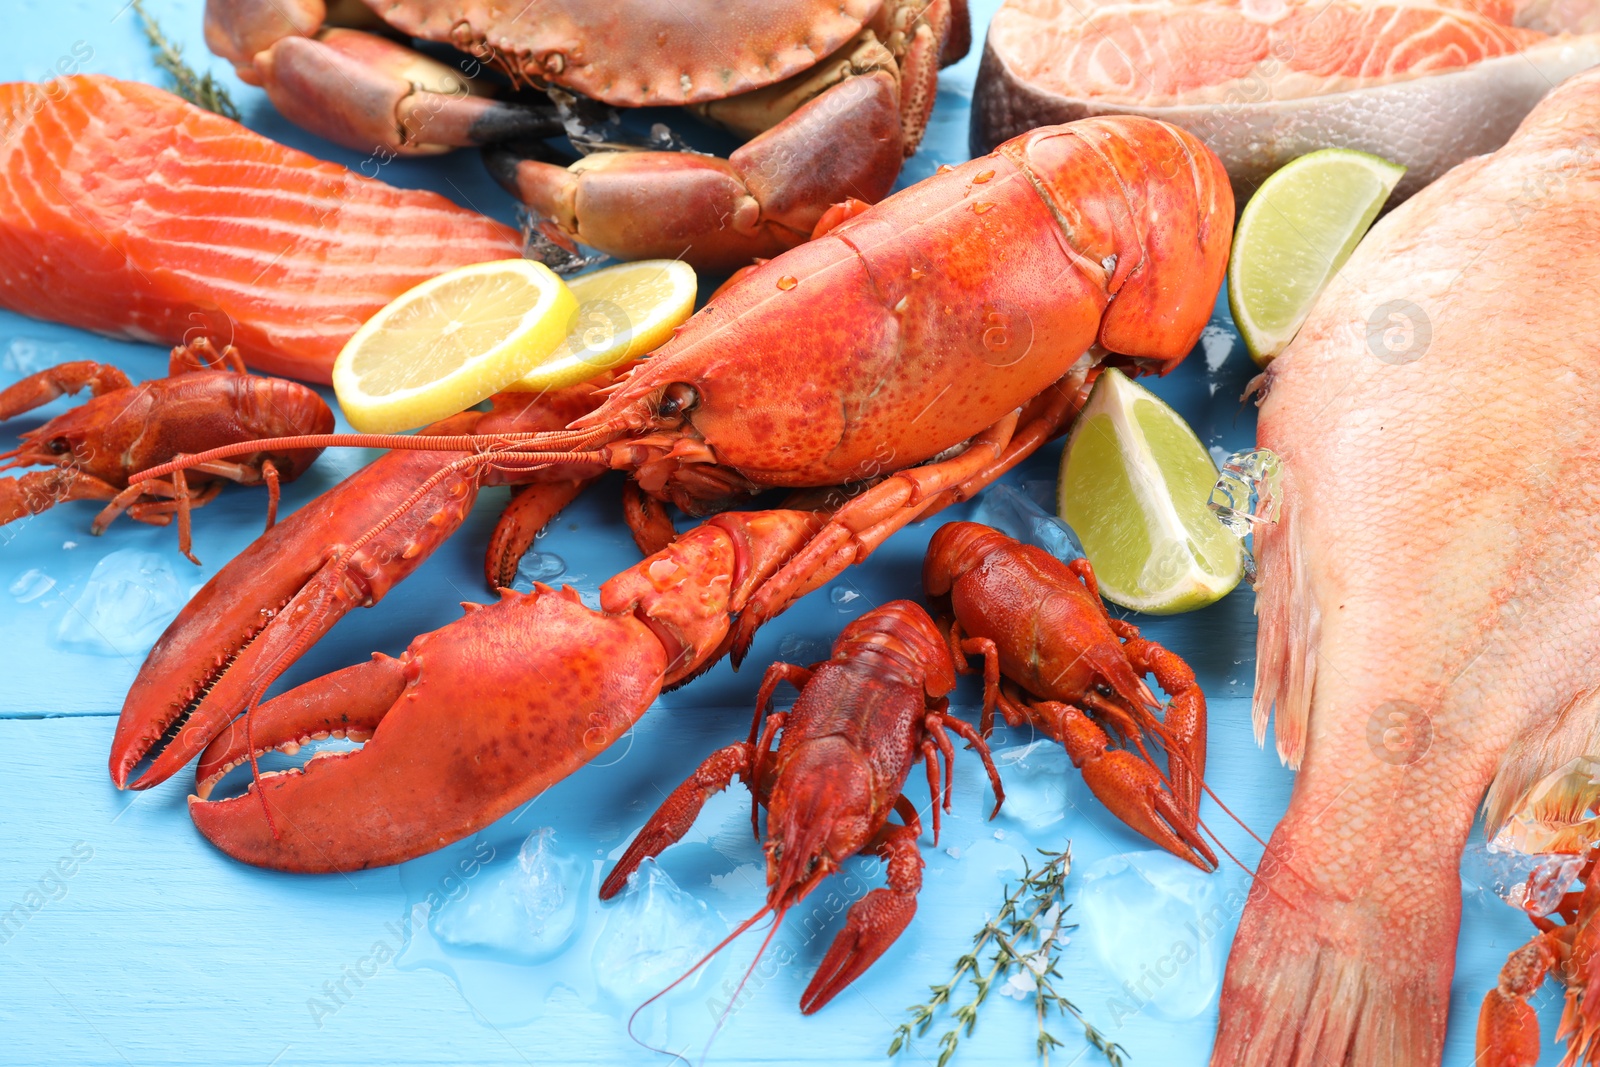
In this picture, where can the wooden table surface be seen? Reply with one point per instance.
(126, 939)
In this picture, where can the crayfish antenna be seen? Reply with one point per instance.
(718, 947)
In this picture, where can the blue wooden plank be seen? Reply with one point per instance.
(125, 938)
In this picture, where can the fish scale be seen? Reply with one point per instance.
(1432, 563)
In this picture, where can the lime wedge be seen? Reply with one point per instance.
(1295, 234)
(1134, 485)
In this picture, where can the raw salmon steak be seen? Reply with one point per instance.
(129, 212)
(1427, 600)
(1425, 83)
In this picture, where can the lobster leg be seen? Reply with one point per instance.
(678, 812)
(647, 519)
(40, 388)
(861, 525)
(530, 510)
(876, 920)
(1131, 788)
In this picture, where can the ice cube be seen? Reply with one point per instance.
(1015, 515)
(527, 909)
(1159, 927)
(1247, 490)
(129, 599)
(654, 933)
(538, 567)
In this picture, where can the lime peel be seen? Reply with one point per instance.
(1153, 549)
(1293, 237)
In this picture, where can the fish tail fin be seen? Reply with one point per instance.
(1317, 980)
(1290, 626)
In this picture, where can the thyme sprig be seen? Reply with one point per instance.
(199, 89)
(1030, 915)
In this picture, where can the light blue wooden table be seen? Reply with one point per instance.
(126, 939)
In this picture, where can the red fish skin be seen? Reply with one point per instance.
(130, 212)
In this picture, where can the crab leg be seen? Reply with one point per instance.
(719, 214)
(358, 89)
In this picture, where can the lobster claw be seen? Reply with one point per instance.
(272, 601)
(456, 740)
(483, 714)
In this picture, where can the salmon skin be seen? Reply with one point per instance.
(1427, 602)
(1425, 83)
(130, 212)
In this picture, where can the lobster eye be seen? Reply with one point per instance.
(59, 445)
(680, 398)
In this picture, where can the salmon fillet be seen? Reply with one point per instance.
(1427, 601)
(127, 211)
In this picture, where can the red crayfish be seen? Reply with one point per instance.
(93, 450)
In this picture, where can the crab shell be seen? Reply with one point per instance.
(640, 53)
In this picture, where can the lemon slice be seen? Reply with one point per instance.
(623, 312)
(1295, 234)
(448, 343)
(1134, 485)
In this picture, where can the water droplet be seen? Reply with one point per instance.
(944, 168)
(69, 545)
(31, 584)
(538, 567)
(917, 275)
(663, 572)
(842, 596)
(982, 176)
(787, 282)
(979, 209)
(900, 306)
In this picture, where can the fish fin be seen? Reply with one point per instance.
(1290, 626)
(1572, 732)
(1315, 982)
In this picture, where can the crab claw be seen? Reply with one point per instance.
(471, 721)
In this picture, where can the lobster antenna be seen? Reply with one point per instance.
(325, 581)
(576, 443)
(720, 945)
